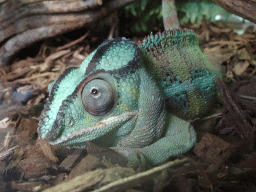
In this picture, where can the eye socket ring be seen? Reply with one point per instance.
(98, 97)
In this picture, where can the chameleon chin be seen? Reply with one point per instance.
(133, 98)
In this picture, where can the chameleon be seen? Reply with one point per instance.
(134, 98)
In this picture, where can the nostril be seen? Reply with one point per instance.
(71, 121)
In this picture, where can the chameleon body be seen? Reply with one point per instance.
(133, 98)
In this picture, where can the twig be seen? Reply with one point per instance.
(134, 180)
(5, 154)
(73, 42)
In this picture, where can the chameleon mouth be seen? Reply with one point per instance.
(93, 132)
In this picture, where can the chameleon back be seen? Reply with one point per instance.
(184, 73)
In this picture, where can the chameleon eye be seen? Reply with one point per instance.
(94, 91)
(98, 97)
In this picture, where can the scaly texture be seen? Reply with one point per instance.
(185, 75)
(127, 97)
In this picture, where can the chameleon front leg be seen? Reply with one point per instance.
(179, 137)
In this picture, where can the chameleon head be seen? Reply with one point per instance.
(101, 98)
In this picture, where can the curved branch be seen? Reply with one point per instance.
(243, 8)
(37, 23)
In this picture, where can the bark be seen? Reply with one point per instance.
(243, 8)
(23, 22)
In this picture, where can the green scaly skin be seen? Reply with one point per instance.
(184, 73)
(134, 99)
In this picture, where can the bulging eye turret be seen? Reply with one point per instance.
(98, 97)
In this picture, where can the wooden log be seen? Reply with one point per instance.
(23, 22)
(242, 8)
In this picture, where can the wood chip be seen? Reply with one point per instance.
(213, 149)
(70, 160)
(241, 67)
(47, 150)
